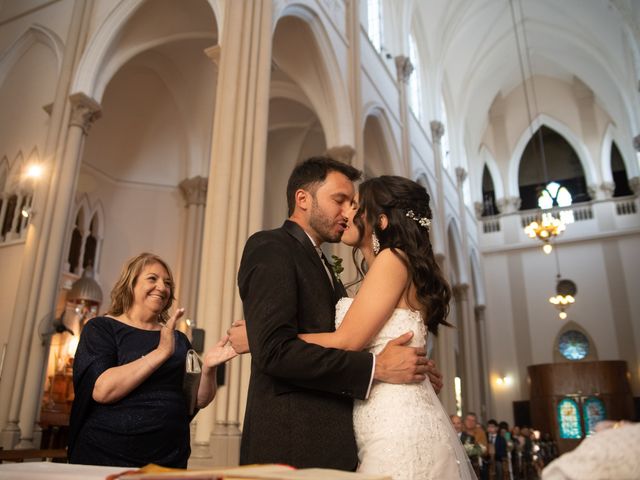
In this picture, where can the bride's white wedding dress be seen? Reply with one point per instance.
(403, 430)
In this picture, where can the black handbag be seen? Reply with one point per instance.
(192, 374)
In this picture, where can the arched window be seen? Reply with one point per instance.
(16, 197)
(446, 149)
(555, 195)
(76, 245)
(594, 411)
(4, 174)
(9, 213)
(568, 416)
(91, 244)
(415, 80)
(619, 173)
(374, 23)
(563, 167)
(488, 194)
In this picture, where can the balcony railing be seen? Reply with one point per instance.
(578, 212)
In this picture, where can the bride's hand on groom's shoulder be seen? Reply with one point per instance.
(399, 363)
(238, 336)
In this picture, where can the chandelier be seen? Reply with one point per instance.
(565, 296)
(546, 230)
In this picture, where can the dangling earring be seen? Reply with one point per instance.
(375, 243)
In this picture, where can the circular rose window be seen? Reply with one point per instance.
(573, 345)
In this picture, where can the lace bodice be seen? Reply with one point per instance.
(402, 321)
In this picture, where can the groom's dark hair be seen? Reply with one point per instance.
(314, 171)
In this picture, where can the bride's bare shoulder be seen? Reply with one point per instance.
(389, 263)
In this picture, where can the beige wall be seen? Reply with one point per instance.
(137, 219)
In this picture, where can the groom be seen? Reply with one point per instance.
(300, 399)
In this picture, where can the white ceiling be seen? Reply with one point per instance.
(471, 52)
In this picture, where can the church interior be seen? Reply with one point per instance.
(172, 126)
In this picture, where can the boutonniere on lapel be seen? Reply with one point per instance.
(336, 266)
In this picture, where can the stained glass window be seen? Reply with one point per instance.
(573, 345)
(593, 412)
(569, 419)
(556, 194)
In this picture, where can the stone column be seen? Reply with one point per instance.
(485, 395)
(404, 69)
(35, 250)
(445, 357)
(510, 220)
(355, 80)
(437, 131)
(83, 112)
(194, 191)
(234, 199)
(473, 395)
(469, 348)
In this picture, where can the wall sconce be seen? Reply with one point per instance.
(34, 171)
(504, 381)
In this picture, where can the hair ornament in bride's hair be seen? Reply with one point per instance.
(423, 221)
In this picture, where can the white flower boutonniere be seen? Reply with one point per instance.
(336, 266)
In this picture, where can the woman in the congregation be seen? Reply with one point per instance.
(129, 407)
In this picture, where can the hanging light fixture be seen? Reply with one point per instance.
(565, 296)
(545, 230)
(549, 227)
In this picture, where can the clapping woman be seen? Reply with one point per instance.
(129, 407)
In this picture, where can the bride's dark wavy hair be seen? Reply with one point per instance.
(395, 196)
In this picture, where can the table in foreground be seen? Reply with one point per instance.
(55, 471)
(62, 471)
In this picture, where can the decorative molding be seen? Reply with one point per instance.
(341, 153)
(84, 111)
(461, 175)
(636, 143)
(194, 190)
(404, 68)
(634, 184)
(214, 53)
(592, 190)
(478, 207)
(508, 204)
(460, 292)
(607, 189)
(437, 130)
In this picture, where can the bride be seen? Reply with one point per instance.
(401, 430)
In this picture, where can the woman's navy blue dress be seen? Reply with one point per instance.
(150, 424)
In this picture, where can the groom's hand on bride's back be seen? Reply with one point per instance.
(398, 363)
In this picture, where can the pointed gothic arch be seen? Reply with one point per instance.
(380, 149)
(102, 58)
(32, 35)
(311, 68)
(588, 166)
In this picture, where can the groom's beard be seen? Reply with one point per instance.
(323, 225)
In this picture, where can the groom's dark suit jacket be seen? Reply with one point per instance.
(299, 406)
